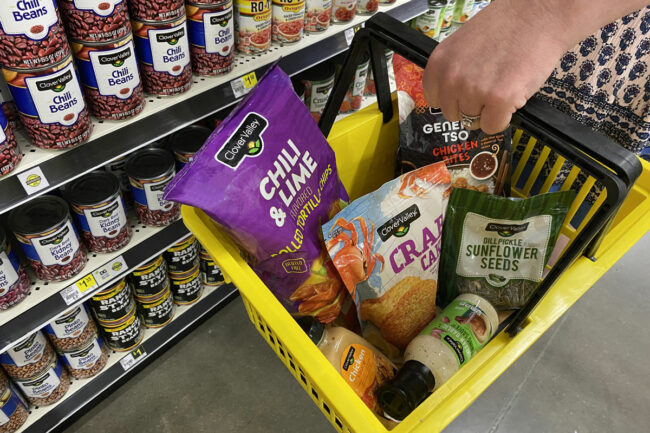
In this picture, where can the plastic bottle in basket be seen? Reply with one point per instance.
(31, 34)
(51, 104)
(110, 77)
(212, 37)
(95, 20)
(44, 229)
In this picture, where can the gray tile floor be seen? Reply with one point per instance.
(588, 373)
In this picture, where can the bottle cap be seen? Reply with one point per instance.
(312, 327)
(410, 386)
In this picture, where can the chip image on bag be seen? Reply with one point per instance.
(268, 177)
(386, 246)
(475, 160)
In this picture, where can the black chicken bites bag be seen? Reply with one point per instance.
(476, 161)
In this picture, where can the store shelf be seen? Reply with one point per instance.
(162, 116)
(85, 393)
(45, 300)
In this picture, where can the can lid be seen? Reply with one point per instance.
(402, 394)
(320, 72)
(189, 140)
(112, 43)
(39, 215)
(94, 188)
(150, 163)
(203, 5)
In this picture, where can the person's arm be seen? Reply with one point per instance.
(500, 58)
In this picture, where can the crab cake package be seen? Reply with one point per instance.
(386, 246)
(475, 160)
(268, 177)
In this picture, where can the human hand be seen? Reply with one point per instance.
(495, 62)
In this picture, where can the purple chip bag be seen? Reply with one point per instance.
(269, 177)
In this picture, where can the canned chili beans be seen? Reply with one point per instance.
(95, 20)
(150, 170)
(86, 361)
(14, 281)
(187, 287)
(113, 304)
(164, 54)
(186, 142)
(71, 330)
(48, 387)
(156, 10)
(10, 154)
(182, 256)
(288, 20)
(49, 239)
(110, 77)
(28, 357)
(157, 311)
(150, 279)
(51, 104)
(126, 334)
(31, 34)
(212, 37)
(99, 211)
(13, 410)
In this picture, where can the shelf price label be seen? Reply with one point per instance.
(133, 357)
(94, 280)
(243, 84)
(33, 180)
(349, 33)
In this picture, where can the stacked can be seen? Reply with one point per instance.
(14, 410)
(288, 20)
(152, 293)
(44, 229)
(446, 18)
(35, 368)
(115, 310)
(212, 37)
(343, 10)
(37, 66)
(110, 76)
(76, 340)
(14, 281)
(99, 211)
(318, 81)
(150, 170)
(95, 21)
(430, 22)
(367, 7)
(183, 265)
(118, 168)
(157, 10)
(253, 26)
(163, 52)
(8, 105)
(211, 274)
(10, 154)
(186, 142)
(318, 14)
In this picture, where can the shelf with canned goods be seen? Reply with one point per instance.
(48, 299)
(44, 170)
(84, 393)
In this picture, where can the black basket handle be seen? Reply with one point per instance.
(614, 167)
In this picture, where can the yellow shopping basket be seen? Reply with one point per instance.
(365, 144)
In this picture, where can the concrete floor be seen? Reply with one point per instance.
(588, 373)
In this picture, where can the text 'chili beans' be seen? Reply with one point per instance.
(110, 76)
(95, 20)
(51, 104)
(49, 239)
(31, 34)
(212, 37)
(164, 54)
(99, 211)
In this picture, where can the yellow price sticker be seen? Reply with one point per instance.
(86, 283)
(249, 80)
